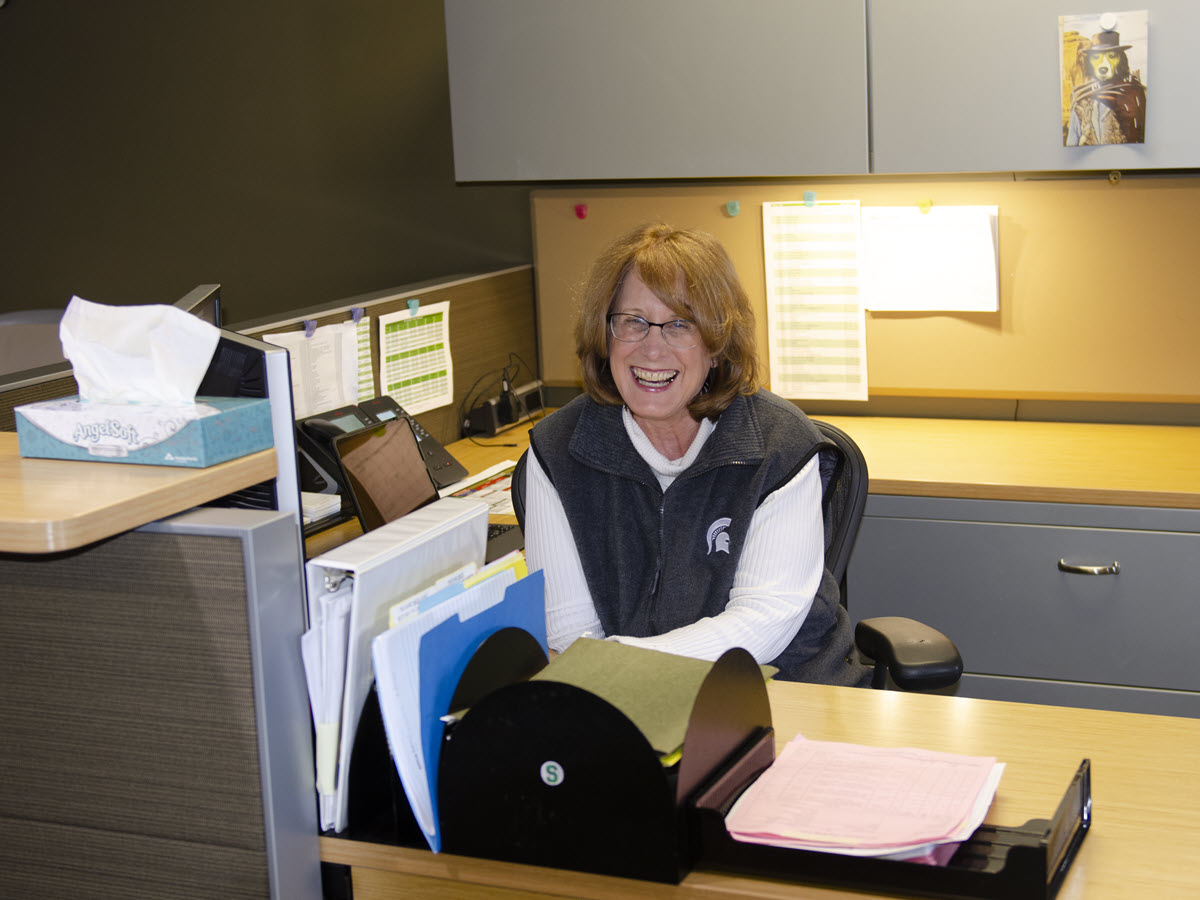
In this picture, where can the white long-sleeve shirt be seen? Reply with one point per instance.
(777, 576)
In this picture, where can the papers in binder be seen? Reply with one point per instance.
(419, 662)
(376, 570)
(414, 603)
(867, 801)
(323, 648)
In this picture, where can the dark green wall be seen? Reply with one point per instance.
(295, 151)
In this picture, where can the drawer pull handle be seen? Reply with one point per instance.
(1111, 569)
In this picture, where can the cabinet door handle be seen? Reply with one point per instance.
(1111, 569)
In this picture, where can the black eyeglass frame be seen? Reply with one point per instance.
(661, 328)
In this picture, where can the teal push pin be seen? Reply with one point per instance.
(732, 208)
(810, 198)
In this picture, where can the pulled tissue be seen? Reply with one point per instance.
(136, 354)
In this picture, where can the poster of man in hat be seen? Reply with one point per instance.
(1104, 61)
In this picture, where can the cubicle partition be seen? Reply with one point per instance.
(157, 736)
(492, 326)
(157, 742)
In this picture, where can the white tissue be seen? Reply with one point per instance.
(136, 354)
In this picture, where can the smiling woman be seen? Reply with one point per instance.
(676, 505)
(656, 377)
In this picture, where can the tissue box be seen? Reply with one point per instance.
(213, 430)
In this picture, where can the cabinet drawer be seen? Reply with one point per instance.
(996, 590)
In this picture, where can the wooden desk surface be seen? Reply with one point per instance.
(1145, 782)
(50, 505)
(1057, 462)
(1062, 462)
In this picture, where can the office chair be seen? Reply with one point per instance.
(917, 657)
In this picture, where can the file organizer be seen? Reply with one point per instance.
(611, 807)
(376, 569)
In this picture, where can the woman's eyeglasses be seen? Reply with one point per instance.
(678, 333)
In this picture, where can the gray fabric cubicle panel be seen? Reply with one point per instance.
(156, 736)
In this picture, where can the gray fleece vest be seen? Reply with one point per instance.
(656, 560)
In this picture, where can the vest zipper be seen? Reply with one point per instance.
(658, 564)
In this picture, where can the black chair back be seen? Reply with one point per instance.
(517, 490)
(844, 481)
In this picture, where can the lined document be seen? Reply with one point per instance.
(325, 367)
(815, 322)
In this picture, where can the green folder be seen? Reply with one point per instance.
(655, 690)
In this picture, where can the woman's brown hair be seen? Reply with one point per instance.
(690, 272)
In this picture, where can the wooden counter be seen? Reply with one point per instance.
(50, 505)
(1141, 843)
(1055, 462)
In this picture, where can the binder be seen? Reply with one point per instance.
(375, 570)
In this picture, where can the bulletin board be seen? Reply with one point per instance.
(1097, 284)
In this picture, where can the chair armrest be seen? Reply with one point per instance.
(918, 657)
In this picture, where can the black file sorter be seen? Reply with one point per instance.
(548, 774)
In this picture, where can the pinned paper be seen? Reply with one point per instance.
(816, 331)
(942, 258)
(325, 366)
(416, 368)
(136, 354)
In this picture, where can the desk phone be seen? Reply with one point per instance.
(443, 468)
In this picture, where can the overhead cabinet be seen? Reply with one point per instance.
(544, 90)
(977, 87)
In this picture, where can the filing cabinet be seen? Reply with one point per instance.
(987, 574)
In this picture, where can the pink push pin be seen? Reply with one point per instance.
(581, 210)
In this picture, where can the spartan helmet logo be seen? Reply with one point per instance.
(718, 537)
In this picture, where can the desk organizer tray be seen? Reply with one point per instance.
(996, 862)
(619, 811)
